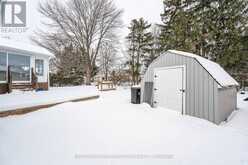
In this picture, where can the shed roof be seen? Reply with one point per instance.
(214, 69)
(20, 46)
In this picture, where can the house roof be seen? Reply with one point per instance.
(214, 69)
(23, 47)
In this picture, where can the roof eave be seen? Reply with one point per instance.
(30, 52)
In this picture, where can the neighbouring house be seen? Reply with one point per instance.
(190, 84)
(23, 66)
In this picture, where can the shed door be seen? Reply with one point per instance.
(169, 88)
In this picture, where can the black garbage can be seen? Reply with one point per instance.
(135, 95)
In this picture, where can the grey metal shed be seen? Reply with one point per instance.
(190, 84)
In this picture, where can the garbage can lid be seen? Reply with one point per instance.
(136, 87)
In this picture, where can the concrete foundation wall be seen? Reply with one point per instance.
(43, 86)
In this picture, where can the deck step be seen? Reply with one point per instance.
(22, 86)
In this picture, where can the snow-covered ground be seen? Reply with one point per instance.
(111, 126)
(239, 119)
(19, 99)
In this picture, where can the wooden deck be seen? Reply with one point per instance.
(106, 86)
(25, 110)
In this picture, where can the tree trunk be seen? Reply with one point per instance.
(106, 76)
(138, 66)
(88, 76)
(133, 70)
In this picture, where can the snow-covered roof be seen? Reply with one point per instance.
(214, 69)
(20, 46)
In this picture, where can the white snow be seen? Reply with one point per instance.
(19, 46)
(136, 86)
(20, 99)
(112, 126)
(218, 73)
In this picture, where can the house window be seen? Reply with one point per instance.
(19, 67)
(3, 66)
(39, 67)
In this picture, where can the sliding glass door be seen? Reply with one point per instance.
(3, 67)
(20, 67)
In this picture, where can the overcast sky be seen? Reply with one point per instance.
(148, 9)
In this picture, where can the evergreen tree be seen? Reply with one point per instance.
(139, 40)
(176, 30)
(211, 28)
(153, 47)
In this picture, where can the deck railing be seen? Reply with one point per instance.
(25, 86)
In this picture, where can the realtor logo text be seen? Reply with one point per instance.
(13, 16)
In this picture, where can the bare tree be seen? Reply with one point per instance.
(86, 24)
(107, 58)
